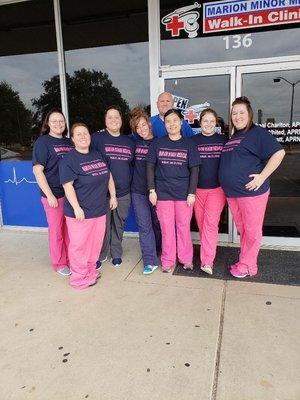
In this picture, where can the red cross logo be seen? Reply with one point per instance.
(175, 26)
(191, 116)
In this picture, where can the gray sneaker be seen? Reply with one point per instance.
(188, 266)
(65, 271)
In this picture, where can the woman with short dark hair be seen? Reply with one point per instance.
(118, 152)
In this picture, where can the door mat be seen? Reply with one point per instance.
(289, 231)
(274, 266)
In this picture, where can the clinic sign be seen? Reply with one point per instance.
(234, 15)
(217, 17)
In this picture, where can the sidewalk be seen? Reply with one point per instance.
(135, 337)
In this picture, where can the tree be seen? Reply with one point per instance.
(89, 94)
(15, 118)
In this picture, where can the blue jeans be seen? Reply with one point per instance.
(149, 229)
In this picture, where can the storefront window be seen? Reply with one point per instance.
(277, 106)
(28, 59)
(106, 51)
(190, 44)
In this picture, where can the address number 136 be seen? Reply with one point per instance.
(237, 41)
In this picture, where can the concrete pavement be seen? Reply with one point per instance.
(158, 337)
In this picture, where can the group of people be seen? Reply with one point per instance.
(88, 181)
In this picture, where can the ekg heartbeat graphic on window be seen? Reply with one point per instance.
(17, 182)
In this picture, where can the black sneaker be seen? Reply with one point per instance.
(116, 262)
(99, 263)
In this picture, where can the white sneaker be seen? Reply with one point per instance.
(207, 268)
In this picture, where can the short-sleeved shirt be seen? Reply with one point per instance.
(47, 151)
(158, 127)
(139, 179)
(118, 152)
(244, 154)
(209, 148)
(173, 160)
(90, 175)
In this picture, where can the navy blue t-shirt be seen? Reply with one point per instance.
(244, 154)
(209, 148)
(173, 160)
(90, 175)
(139, 179)
(48, 151)
(118, 152)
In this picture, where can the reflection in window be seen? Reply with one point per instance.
(105, 68)
(203, 92)
(125, 84)
(274, 103)
(27, 60)
(271, 102)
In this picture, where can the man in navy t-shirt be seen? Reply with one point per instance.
(165, 102)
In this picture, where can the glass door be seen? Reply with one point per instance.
(274, 92)
(195, 90)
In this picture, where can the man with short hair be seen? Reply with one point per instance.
(164, 103)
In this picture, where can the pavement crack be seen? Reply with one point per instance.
(130, 272)
(219, 345)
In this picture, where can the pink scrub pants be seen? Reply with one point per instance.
(86, 238)
(248, 215)
(57, 234)
(208, 208)
(175, 217)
